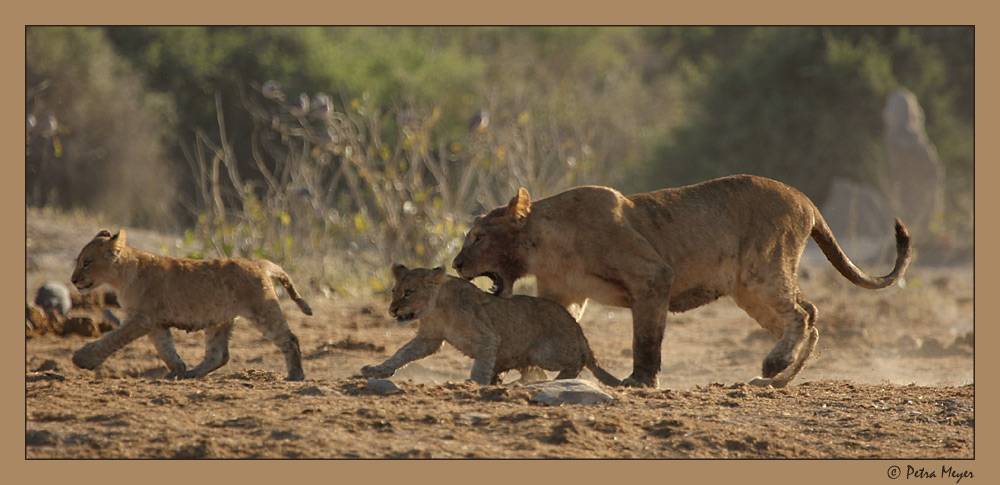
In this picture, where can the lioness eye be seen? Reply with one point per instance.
(407, 293)
(85, 264)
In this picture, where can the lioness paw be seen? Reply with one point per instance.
(774, 364)
(632, 381)
(178, 373)
(764, 382)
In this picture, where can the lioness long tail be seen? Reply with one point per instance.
(602, 375)
(823, 236)
(275, 271)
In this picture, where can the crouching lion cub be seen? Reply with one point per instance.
(500, 334)
(157, 293)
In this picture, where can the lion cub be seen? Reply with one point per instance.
(157, 293)
(500, 334)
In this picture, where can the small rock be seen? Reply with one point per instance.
(932, 348)
(48, 365)
(34, 437)
(968, 338)
(908, 342)
(568, 391)
(383, 386)
(473, 418)
(311, 391)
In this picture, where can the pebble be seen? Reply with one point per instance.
(311, 391)
(568, 391)
(383, 386)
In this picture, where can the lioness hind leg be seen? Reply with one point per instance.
(269, 319)
(164, 343)
(789, 318)
(216, 349)
(806, 348)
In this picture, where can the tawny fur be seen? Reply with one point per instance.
(671, 250)
(158, 293)
(500, 334)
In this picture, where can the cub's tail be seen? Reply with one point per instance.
(274, 271)
(823, 236)
(602, 375)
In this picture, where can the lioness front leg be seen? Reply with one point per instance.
(93, 354)
(648, 323)
(418, 348)
(650, 306)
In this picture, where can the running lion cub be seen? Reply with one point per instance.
(157, 293)
(500, 334)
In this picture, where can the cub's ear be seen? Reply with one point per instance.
(520, 205)
(103, 233)
(439, 273)
(398, 270)
(118, 242)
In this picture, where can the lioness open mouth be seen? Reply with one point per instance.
(497, 287)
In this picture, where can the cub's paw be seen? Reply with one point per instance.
(377, 371)
(178, 374)
(85, 358)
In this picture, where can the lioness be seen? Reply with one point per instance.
(157, 293)
(670, 250)
(500, 334)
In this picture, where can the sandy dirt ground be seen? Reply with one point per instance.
(892, 377)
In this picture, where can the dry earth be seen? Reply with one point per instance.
(892, 378)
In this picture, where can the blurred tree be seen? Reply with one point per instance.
(803, 105)
(383, 64)
(796, 104)
(95, 135)
(542, 107)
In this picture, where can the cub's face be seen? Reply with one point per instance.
(97, 259)
(494, 246)
(415, 292)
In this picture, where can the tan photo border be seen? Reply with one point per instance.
(511, 12)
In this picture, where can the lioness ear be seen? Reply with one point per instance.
(398, 270)
(439, 274)
(103, 233)
(118, 242)
(520, 205)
